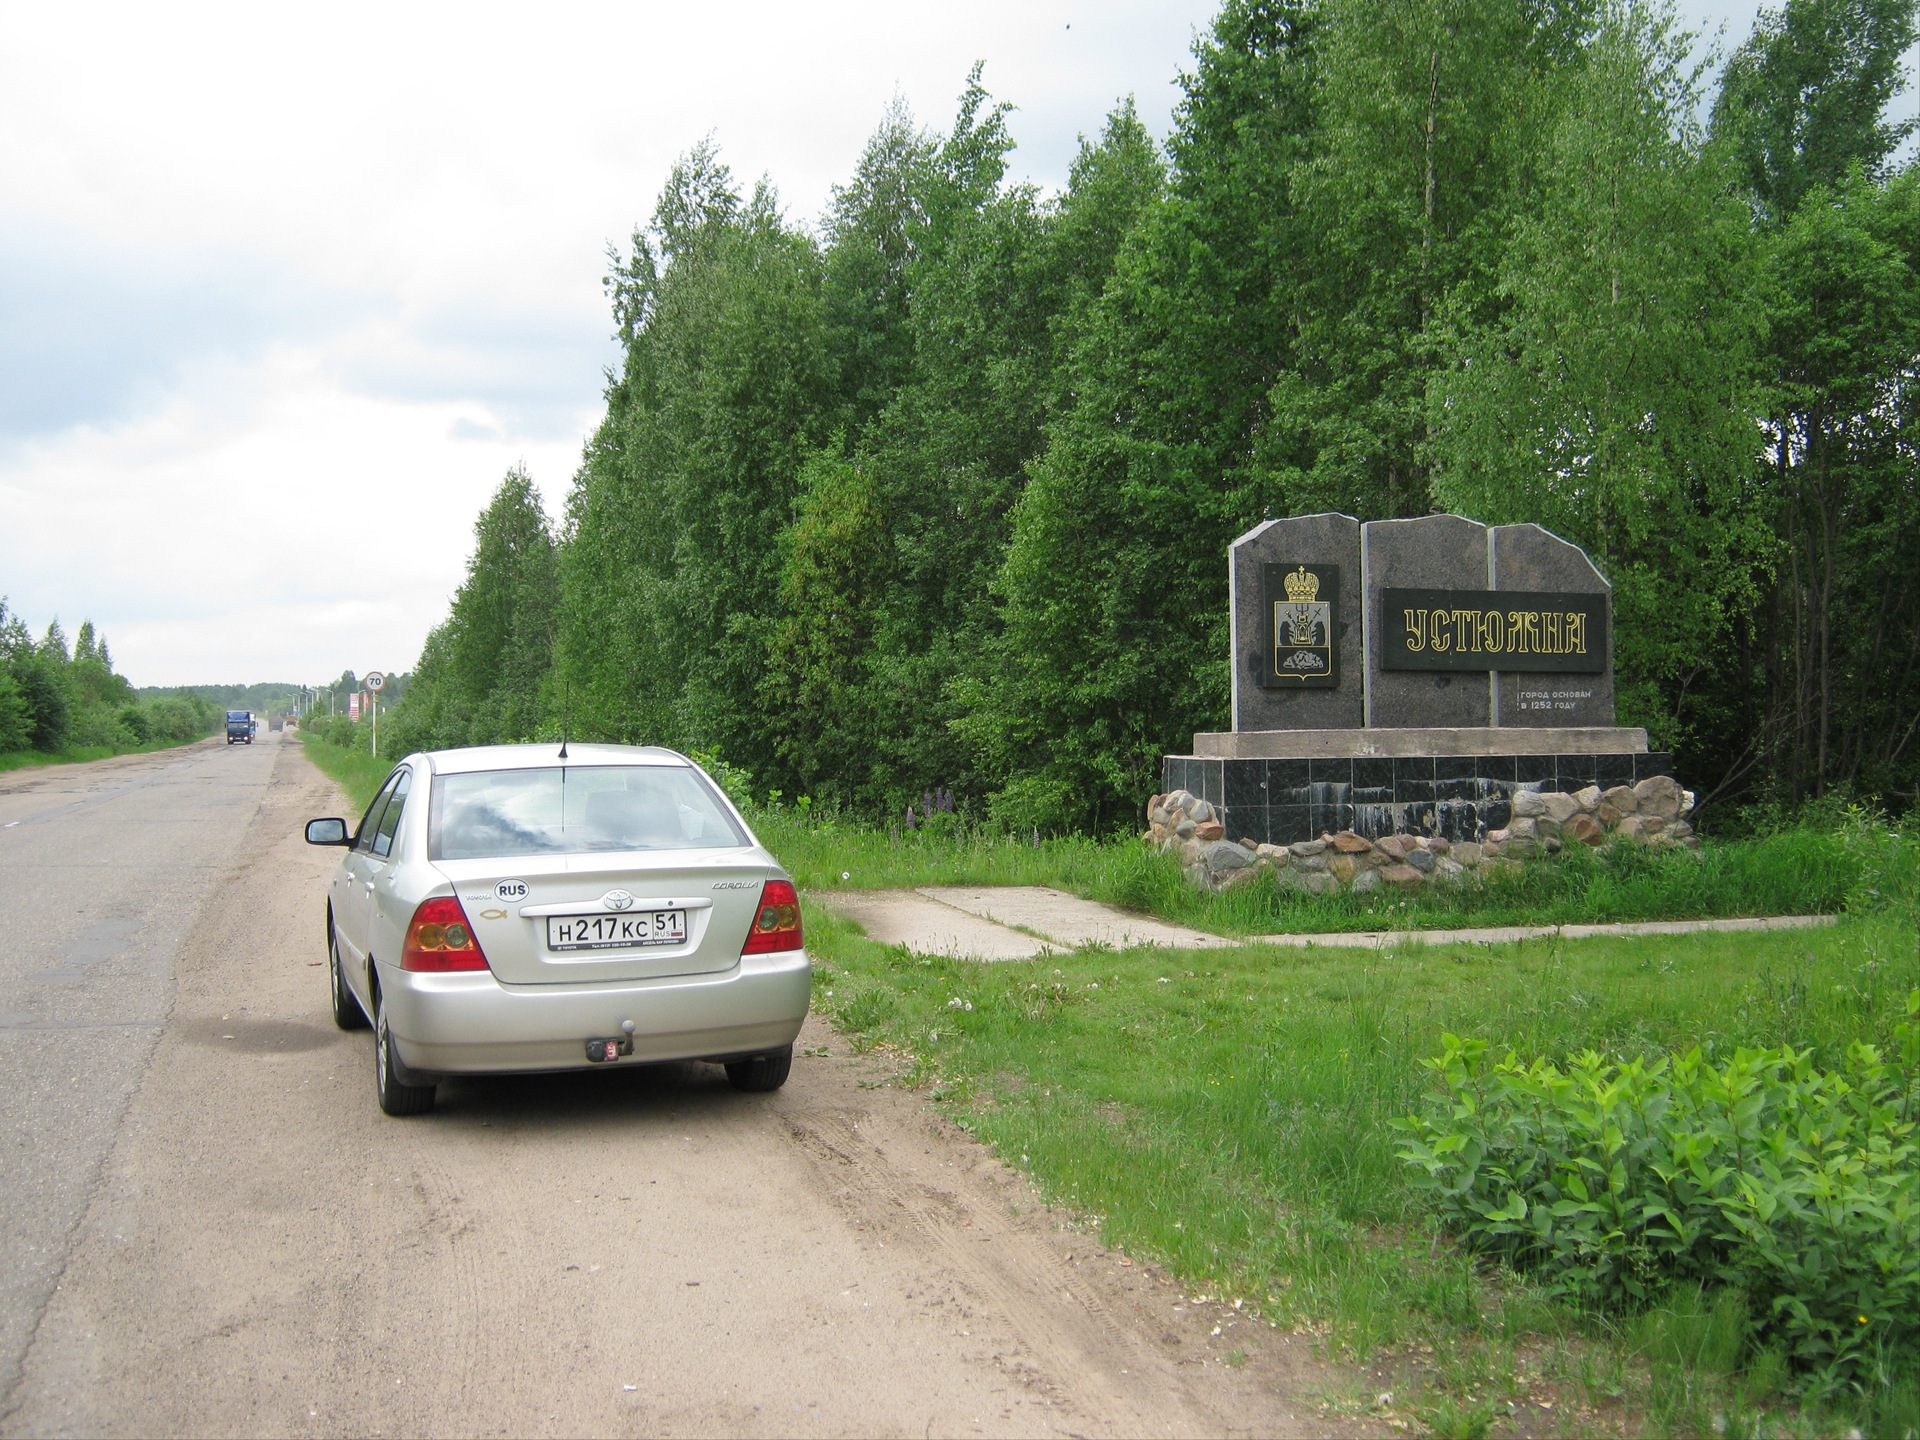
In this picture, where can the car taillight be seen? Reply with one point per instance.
(440, 938)
(776, 924)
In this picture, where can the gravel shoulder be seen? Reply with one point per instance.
(633, 1252)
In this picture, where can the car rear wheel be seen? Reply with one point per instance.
(396, 1097)
(761, 1072)
(347, 1013)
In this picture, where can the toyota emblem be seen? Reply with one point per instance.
(616, 900)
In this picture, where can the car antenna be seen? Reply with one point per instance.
(563, 726)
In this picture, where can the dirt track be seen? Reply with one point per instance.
(637, 1252)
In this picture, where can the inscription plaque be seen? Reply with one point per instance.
(1508, 630)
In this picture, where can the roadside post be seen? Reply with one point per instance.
(375, 682)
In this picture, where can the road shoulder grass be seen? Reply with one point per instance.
(359, 775)
(81, 754)
(1227, 1114)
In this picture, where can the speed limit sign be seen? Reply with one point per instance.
(375, 681)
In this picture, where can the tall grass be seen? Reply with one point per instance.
(1792, 872)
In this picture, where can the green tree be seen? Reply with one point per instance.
(1605, 402)
(1805, 98)
(1113, 586)
(1842, 632)
(480, 676)
(671, 571)
(16, 724)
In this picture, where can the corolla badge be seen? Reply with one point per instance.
(616, 900)
(736, 884)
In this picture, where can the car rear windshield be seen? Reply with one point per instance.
(575, 809)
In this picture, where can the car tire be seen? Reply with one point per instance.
(759, 1073)
(347, 1013)
(396, 1098)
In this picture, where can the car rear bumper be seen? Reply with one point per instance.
(472, 1024)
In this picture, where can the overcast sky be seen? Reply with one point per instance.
(284, 291)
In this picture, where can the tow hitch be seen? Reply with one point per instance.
(601, 1051)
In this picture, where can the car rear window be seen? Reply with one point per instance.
(575, 809)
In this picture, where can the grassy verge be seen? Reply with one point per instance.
(79, 754)
(359, 774)
(1794, 872)
(1226, 1112)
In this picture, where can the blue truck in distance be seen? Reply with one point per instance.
(240, 726)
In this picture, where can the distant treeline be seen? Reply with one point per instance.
(940, 493)
(264, 698)
(54, 699)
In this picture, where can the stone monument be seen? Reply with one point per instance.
(1408, 677)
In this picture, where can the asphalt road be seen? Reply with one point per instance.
(206, 1226)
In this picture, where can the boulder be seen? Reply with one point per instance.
(1607, 815)
(1319, 883)
(1201, 811)
(1275, 853)
(1630, 826)
(1622, 798)
(1583, 828)
(1349, 843)
(1560, 807)
(1391, 846)
(1308, 847)
(1223, 855)
(1421, 860)
(1529, 803)
(1652, 825)
(1519, 845)
(1234, 879)
(1659, 795)
(1523, 829)
(1315, 863)
(1159, 815)
(1448, 869)
(1179, 800)
(1401, 877)
(1185, 828)
(1589, 798)
(1210, 831)
(1467, 852)
(1498, 837)
(1438, 844)
(1366, 882)
(1342, 866)
(1680, 830)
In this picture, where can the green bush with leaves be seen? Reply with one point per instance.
(1615, 1179)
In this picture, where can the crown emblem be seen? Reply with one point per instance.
(1302, 587)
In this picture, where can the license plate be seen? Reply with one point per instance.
(616, 932)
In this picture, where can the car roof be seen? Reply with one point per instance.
(544, 756)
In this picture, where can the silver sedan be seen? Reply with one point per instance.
(519, 908)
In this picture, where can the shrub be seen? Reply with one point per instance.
(1613, 1180)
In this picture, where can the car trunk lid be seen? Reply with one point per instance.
(600, 902)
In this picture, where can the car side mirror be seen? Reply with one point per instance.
(327, 832)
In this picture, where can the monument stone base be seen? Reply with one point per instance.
(1281, 786)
